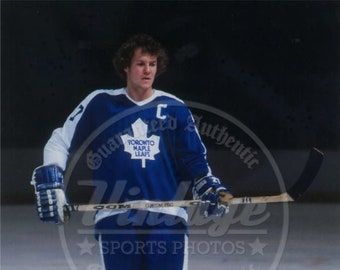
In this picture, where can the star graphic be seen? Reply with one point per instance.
(85, 247)
(257, 246)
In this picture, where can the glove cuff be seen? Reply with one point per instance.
(48, 175)
(205, 184)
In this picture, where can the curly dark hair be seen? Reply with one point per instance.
(145, 42)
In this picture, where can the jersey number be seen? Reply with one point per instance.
(80, 110)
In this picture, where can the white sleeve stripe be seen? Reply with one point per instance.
(56, 150)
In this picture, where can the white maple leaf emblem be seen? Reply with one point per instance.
(140, 146)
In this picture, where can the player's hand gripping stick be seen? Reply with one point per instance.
(211, 192)
(51, 202)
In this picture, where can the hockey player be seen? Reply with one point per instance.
(152, 144)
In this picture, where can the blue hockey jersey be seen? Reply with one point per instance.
(151, 145)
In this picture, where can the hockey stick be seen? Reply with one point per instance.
(307, 176)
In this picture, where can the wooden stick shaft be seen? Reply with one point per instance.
(284, 197)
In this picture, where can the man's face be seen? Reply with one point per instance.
(142, 70)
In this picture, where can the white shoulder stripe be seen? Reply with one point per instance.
(159, 93)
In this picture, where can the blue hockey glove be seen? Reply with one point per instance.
(51, 202)
(210, 190)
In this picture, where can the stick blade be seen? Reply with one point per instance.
(308, 174)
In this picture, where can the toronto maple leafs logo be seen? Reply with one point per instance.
(140, 146)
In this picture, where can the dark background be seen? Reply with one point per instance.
(272, 65)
